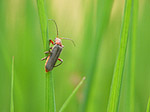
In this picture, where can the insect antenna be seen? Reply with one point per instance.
(55, 24)
(57, 32)
(68, 39)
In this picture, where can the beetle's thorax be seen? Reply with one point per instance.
(58, 41)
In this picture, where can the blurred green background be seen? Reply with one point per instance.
(20, 36)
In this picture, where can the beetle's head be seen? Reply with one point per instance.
(58, 41)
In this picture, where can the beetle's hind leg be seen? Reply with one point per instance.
(59, 63)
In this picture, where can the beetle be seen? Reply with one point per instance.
(54, 52)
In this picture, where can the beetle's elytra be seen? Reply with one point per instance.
(54, 52)
(51, 60)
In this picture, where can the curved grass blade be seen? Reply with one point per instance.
(114, 97)
(72, 94)
(148, 105)
(50, 105)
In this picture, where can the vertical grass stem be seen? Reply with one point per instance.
(12, 87)
(116, 85)
(49, 84)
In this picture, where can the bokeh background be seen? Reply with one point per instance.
(20, 36)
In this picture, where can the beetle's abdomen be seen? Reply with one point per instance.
(51, 60)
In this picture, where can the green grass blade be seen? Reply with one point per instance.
(101, 18)
(114, 97)
(12, 87)
(148, 105)
(50, 105)
(72, 94)
(130, 101)
(43, 22)
(50, 94)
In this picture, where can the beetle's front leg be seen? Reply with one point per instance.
(59, 63)
(44, 58)
(50, 41)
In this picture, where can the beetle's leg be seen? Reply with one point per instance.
(59, 63)
(44, 58)
(50, 41)
(50, 48)
(48, 52)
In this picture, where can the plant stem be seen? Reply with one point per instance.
(43, 22)
(49, 93)
(49, 86)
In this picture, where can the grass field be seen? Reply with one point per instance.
(112, 51)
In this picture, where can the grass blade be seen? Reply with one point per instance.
(130, 90)
(101, 17)
(72, 94)
(49, 85)
(49, 93)
(148, 105)
(12, 87)
(114, 97)
(43, 22)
